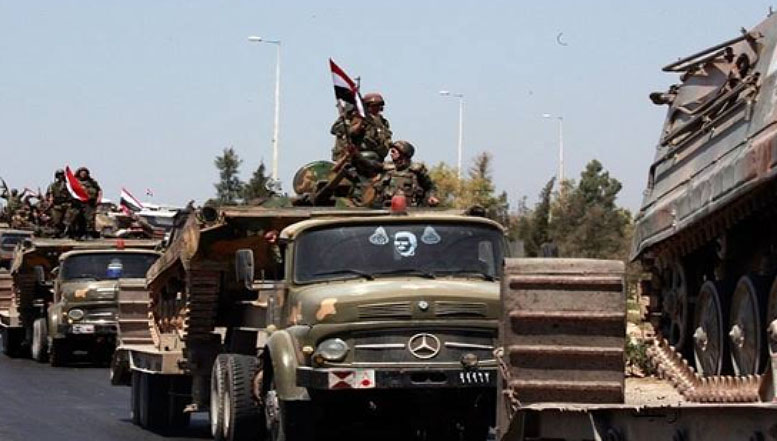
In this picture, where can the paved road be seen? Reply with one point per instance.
(38, 402)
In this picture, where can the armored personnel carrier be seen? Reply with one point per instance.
(706, 228)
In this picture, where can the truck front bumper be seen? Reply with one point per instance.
(396, 378)
(86, 330)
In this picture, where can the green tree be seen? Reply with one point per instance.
(585, 220)
(256, 188)
(533, 226)
(229, 189)
(447, 184)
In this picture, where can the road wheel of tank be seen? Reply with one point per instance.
(216, 411)
(745, 328)
(708, 336)
(40, 339)
(243, 418)
(59, 352)
(771, 320)
(286, 420)
(675, 314)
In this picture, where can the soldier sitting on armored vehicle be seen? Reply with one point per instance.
(371, 133)
(411, 178)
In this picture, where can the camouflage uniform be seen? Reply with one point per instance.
(89, 208)
(59, 201)
(371, 133)
(411, 178)
(13, 204)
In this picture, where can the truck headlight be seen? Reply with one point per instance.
(333, 349)
(75, 314)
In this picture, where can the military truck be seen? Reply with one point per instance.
(83, 315)
(35, 285)
(274, 320)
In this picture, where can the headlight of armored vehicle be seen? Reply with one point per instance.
(333, 349)
(75, 314)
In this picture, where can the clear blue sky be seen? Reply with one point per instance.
(147, 93)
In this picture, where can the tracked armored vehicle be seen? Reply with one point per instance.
(707, 229)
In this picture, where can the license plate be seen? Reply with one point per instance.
(475, 377)
(83, 329)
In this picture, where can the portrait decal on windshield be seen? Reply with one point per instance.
(379, 237)
(430, 236)
(405, 243)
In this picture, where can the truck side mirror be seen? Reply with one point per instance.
(40, 274)
(244, 267)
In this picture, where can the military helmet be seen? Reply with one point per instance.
(59, 173)
(369, 155)
(80, 169)
(405, 148)
(374, 98)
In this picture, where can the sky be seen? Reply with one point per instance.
(147, 93)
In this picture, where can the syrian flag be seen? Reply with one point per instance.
(74, 187)
(129, 202)
(345, 88)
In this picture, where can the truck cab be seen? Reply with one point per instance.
(83, 315)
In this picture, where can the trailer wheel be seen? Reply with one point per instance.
(40, 339)
(216, 411)
(136, 396)
(243, 418)
(119, 370)
(59, 352)
(12, 345)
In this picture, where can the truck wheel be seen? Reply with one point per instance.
(242, 417)
(119, 370)
(59, 352)
(12, 345)
(136, 397)
(287, 420)
(216, 411)
(40, 339)
(160, 404)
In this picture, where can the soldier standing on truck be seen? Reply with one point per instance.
(13, 203)
(59, 202)
(89, 208)
(371, 133)
(411, 178)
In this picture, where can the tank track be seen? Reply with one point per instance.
(6, 290)
(201, 304)
(693, 387)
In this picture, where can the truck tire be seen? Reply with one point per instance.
(40, 340)
(135, 400)
(120, 374)
(242, 417)
(59, 352)
(216, 412)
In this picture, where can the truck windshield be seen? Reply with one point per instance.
(101, 266)
(8, 241)
(414, 249)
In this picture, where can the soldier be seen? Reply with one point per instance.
(89, 208)
(371, 133)
(13, 203)
(411, 178)
(59, 202)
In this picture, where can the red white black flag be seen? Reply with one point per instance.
(345, 88)
(74, 187)
(128, 202)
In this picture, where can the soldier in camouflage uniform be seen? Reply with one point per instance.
(371, 133)
(59, 202)
(408, 177)
(13, 203)
(89, 208)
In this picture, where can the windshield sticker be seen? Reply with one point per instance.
(405, 243)
(379, 237)
(430, 236)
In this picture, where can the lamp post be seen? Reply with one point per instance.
(560, 146)
(460, 96)
(276, 123)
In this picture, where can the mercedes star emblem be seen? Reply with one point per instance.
(424, 346)
(423, 305)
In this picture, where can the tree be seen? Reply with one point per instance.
(533, 226)
(585, 219)
(256, 188)
(447, 184)
(229, 189)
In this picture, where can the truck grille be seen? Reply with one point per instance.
(385, 310)
(460, 309)
(395, 346)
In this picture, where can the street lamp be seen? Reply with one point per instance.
(276, 124)
(460, 96)
(560, 146)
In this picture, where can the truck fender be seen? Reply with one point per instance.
(54, 314)
(283, 354)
